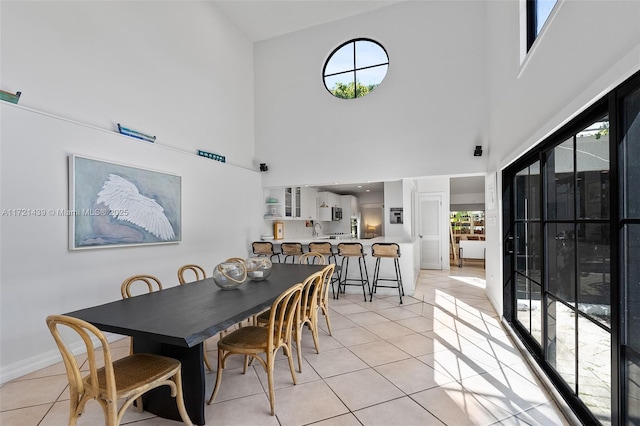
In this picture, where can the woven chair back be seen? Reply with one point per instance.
(89, 334)
(309, 298)
(281, 320)
(196, 270)
(312, 258)
(152, 283)
(323, 293)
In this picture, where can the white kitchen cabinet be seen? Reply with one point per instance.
(308, 210)
(329, 199)
(273, 202)
(325, 201)
(350, 207)
(290, 202)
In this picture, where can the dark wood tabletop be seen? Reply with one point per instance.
(186, 315)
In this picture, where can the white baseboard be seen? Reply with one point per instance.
(35, 363)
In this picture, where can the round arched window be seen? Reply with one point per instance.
(355, 68)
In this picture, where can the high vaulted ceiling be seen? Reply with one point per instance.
(263, 19)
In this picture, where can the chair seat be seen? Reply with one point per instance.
(246, 340)
(135, 369)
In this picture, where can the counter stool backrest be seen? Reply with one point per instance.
(322, 248)
(291, 249)
(385, 250)
(262, 248)
(350, 249)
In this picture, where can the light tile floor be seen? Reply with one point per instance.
(442, 357)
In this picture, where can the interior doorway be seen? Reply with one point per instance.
(430, 230)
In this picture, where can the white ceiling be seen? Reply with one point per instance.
(467, 185)
(354, 188)
(263, 19)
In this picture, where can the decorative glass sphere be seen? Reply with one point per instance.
(258, 268)
(230, 274)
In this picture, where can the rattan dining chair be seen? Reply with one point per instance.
(251, 341)
(200, 274)
(312, 258)
(326, 249)
(127, 378)
(196, 270)
(323, 293)
(152, 283)
(307, 313)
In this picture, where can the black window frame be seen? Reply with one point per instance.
(532, 21)
(355, 69)
(611, 103)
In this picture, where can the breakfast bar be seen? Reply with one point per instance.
(408, 266)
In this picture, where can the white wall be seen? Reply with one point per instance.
(177, 70)
(393, 197)
(424, 119)
(588, 48)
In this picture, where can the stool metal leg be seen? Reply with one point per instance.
(360, 263)
(398, 279)
(376, 271)
(399, 275)
(364, 277)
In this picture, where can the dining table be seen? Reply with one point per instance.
(176, 321)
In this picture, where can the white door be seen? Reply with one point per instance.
(430, 231)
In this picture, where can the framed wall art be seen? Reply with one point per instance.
(115, 205)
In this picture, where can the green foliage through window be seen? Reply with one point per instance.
(351, 90)
(355, 68)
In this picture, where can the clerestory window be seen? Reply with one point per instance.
(355, 68)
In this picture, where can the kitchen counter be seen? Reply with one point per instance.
(409, 266)
(343, 239)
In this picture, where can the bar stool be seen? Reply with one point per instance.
(264, 248)
(390, 251)
(347, 251)
(291, 250)
(326, 249)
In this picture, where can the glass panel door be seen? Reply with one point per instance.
(527, 244)
(630, 152)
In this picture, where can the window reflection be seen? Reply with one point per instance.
(592, 167)
(561, 182)
(561, 341)
(632, 278)
(594, 271)
(631, 143)
(594, 369)
(561, 254)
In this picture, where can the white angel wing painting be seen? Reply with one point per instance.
(124, 201)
